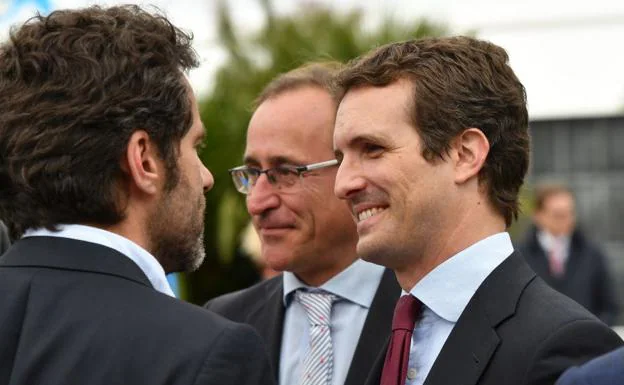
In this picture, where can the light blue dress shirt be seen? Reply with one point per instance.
(146, 261)
(445, 293)
(356, 286)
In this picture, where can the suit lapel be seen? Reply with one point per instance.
(467, 351)
(376, 330)
(374, 374)
(473, 341)
(268, 318)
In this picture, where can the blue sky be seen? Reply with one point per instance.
(10, 9)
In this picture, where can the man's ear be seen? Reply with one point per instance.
(142, 163)
(471, 148)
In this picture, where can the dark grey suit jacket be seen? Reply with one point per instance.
(516, 330)
(262, 307)
(74, 312)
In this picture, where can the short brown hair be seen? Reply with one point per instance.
(545, 190)
(459, 83)
(315, 74)
(74, 86)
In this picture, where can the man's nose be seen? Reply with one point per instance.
(262, 196)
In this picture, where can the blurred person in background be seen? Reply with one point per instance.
(564, 257)
(327, 316)
(4, 238)
(103, 191)
(433, 143)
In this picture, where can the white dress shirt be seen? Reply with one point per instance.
(146, 261)
(561, 246)
(356, 286)
(445, 293)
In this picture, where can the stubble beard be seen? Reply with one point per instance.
(178, 239)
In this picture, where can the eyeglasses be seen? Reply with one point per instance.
(282, 177)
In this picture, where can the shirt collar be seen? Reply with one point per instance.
(448, 288)
(357, 283)
(146, 261)
(547, 240)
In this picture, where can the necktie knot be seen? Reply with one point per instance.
(317, 305)
(405, 313)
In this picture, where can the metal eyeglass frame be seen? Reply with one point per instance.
(245, 187)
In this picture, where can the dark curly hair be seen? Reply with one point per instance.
(74, 86)
(459, 82)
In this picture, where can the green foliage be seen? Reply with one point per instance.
(284, 42)
(518, 229)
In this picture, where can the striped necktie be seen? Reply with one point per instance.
(319, 360)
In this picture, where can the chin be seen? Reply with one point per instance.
(277, 262)
(372, 252)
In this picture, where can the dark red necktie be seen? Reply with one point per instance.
(397, 357)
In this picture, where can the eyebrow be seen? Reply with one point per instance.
(363, 138)
(274, 160)
(202, 135)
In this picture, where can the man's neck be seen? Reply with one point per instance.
(316, 278)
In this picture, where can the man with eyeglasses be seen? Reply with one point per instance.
(327, 316)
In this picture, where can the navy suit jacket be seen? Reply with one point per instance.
(74, 312)
(604, 370)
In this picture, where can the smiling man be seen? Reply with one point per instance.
(432, 136)
(102, 187)
(326, 318)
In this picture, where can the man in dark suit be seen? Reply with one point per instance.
(604, 370)
(564, 257)
(104, 191)
(432, 136)
(328, 315)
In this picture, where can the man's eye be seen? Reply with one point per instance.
(284, 171)
(253, 172)
(373, 150)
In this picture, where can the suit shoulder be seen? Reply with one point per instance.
(557, 323)
(549, 306)
(174, 311)
(230, 303)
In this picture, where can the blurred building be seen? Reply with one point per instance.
(588, 155)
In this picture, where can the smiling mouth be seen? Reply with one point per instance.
(365, 214)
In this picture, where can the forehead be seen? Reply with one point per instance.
(374, 111)
(197, 127)
(295, 125)
(559, 200)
